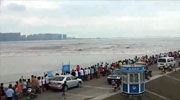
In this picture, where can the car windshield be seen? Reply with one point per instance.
(162, 60)
(58, 78)
(116, 72)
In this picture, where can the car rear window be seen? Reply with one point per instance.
(162, 60)
(58, 78)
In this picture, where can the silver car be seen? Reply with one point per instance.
(115, 75)
(71, 81)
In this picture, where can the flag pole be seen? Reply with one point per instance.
(62, 69)
(69, 67)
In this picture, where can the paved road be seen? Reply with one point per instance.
(90, 89)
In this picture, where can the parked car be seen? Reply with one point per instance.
(166, 62)
(115, 75)
(71, 81)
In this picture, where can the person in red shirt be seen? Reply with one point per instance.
(78, 69)
(101, 69)
(19, 86)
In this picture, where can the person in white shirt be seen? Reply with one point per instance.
(24, 87)
(10, 93)
(76, 74)
(39, 85)
(46, 82)
(89, 73)
(86, 74)
(43, 84)
(82, 74)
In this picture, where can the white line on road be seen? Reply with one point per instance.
(173, 78)
(157, 95)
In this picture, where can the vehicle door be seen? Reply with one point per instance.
(168, 62)
(74, 81)
(173, 61)
(68, 81)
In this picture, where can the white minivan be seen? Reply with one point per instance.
(166, 62)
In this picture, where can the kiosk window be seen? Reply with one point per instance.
(142, 77)
(124, 77)
(133, 77)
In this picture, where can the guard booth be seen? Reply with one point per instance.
(133, 79)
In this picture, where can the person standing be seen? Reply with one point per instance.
(82, 74)
(24, 87)
(46, 82)
(43, 84)
(73, 73)
(76, 74)
(33, 83)
(86, 74)
(10, 92)
(175, 68)
(78, 69)
(64, 86)
(16, 93)
(39, 85)
(114, 85)
(2, 92)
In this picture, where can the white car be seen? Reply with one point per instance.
(166, 62)
(71, 81)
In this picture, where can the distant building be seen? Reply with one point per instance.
(64, 36)
(10, 36)
(18, 36)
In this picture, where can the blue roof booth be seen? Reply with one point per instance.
(133, 79)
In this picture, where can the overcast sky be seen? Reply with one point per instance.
(93, 18)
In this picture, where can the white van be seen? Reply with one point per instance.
(166, 62)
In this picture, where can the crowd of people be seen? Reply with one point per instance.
(40, 84)
(20, 88)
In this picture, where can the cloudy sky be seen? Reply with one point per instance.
(93, 18)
